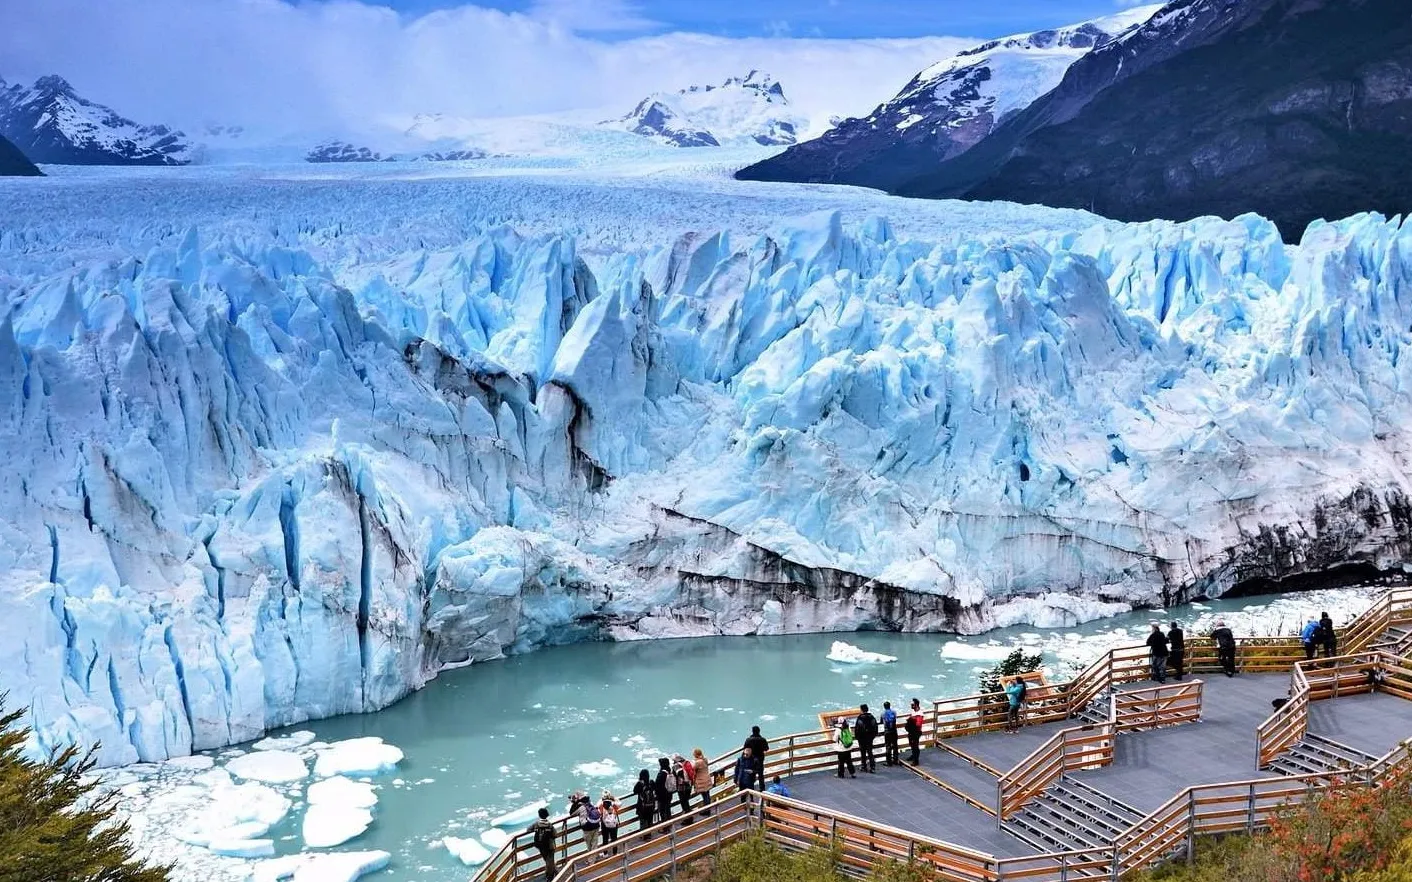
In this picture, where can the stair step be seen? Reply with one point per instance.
(1292, 764)
(1071, 834)
(1119, 813)
(1341, 752)
(1045, 843)
(1098, 823)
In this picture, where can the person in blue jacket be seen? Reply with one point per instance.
(777, 787)
(744, 772)
(1015, 693)
(1310, 637)
(889, 727)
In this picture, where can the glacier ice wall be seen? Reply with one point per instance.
(261, 476)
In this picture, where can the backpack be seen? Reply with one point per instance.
(592, 818)
(1024, 687)
(672, 782)
(544, 837)
(846, 738)
(647, 799)
(610, 819)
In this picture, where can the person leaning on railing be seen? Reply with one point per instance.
(1225, 647)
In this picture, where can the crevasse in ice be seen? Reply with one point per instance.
(250, 481)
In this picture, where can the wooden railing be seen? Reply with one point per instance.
(1068, 750)
(1284, 728)
(1394, 607)
(1166, 704)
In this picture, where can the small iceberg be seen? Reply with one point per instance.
(292, 741)
(955, 649)
(495, 838)
(338, 790)
(269, 767)
(520, 817)
(356, 757)
(467, 851)
(681, 702)
(342, 867)
(852, 655)
(243, 848)
(328, 825)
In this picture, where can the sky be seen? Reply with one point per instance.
(344, 65)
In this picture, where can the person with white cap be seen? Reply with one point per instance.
(843, 748)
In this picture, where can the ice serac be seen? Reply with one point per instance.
(264, 476)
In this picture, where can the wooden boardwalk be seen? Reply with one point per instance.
(1111, 772)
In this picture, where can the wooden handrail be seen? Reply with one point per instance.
(1068, 750)
(1165, 704)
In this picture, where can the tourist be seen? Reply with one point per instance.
(744, 772)
(646, 800)
(843, 748)
(684, 774)
(1157, 653)
(758, 748)
(866, 728)
(665, 788)
(1225, 647)
(1176, 650)
(1330, 637)
(914, 732)
(590, 820)
(608, 808)
(542, 831)
(777, 788)
(1015, 695)
(701, 776)
(1310, 637)
(889, 727)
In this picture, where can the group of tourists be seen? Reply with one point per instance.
(863, 733)
(1168, 651)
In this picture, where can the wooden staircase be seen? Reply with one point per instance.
(1315, 754)
(1397, 639)
(1071, 816)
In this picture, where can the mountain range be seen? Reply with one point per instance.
(945, 109)
(1293, 109)
(749, 109)
(49, 122)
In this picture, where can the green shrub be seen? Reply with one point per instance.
(52, 825)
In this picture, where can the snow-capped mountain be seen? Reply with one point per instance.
(342, 151)
(51, 123)
(749, 109)
(1295, 109)
(946, 108)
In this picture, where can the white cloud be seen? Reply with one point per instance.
(338, 63)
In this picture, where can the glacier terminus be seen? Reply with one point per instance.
(271, 464)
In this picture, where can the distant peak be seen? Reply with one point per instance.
(53, 84)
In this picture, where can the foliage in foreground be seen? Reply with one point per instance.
(52, 825)
(756, 859)
(1343, 834)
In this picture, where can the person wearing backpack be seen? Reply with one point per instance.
(889, 727)
(683, 772)
(914, 732)
(543, 832)
(666, 787)
(590, 820)
(843, 748)
(1015, 695)
(608, 810)
(866, 728)
(646, 795)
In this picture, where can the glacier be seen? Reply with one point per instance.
(284, 448)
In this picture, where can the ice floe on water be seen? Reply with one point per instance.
(290, 741)
(269, 766)
(467, 851)
(339, 790)
(494, 837)
(955, 650)
(853, 655)
(335, 867)
(680, 702)
(604, 768)
(329, 824)
(356, 757)
(521, 816)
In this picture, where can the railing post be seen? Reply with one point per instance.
(672, 852)
(1250, 811)
(1191, 827)
(790, 766)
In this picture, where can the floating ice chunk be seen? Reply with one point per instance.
(328, 825)
(292, 741)
(913, 687)
(850, 654)
(520, 817)
(495, 838)
(243, 848)
(269, 766)
(357, 756)
(196, 763)
(246, 811)
(768, 718)
(604, 768)
(338, 790)
(341, 867)
(215, 778)
(681, 702)
(955, 649)
(467, 851)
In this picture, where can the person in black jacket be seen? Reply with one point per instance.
(659, 788)
(646, 800)
(1326, 632)
(758, 746)
(866, 729)
(1157, 653)
(1225, 647)
(1176, 649)
(889, 723)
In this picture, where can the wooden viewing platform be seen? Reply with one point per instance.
(1111, 772)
